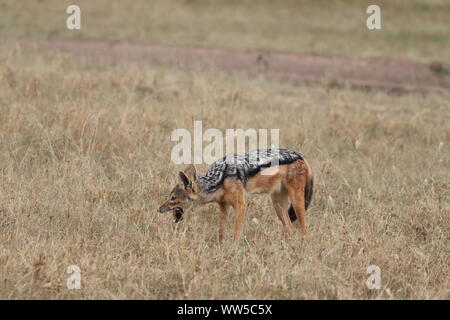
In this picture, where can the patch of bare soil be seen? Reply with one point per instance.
(393, 75)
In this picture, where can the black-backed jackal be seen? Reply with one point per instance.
(229, 179)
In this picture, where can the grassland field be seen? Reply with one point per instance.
(85, 156)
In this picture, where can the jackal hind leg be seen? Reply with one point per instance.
(224, 208)
(298, 203)
(280, 203)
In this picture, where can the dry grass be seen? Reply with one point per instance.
(84, 164)
(416, 30)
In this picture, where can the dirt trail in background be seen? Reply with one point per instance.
(392, 75)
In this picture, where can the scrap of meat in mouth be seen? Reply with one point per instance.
(178, 214)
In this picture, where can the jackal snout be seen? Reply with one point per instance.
(164, 208)
(176, 201)
(177, 198)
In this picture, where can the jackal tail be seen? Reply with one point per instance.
(308, 197)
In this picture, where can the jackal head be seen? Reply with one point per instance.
(182, 194)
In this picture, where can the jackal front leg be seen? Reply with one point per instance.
(239, 210)
(235, 195)
(224, 209)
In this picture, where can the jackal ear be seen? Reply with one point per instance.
(186, 181)
(190, 172)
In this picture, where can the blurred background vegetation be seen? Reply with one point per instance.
(412, 29)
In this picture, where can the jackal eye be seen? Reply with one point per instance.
(173, 198)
